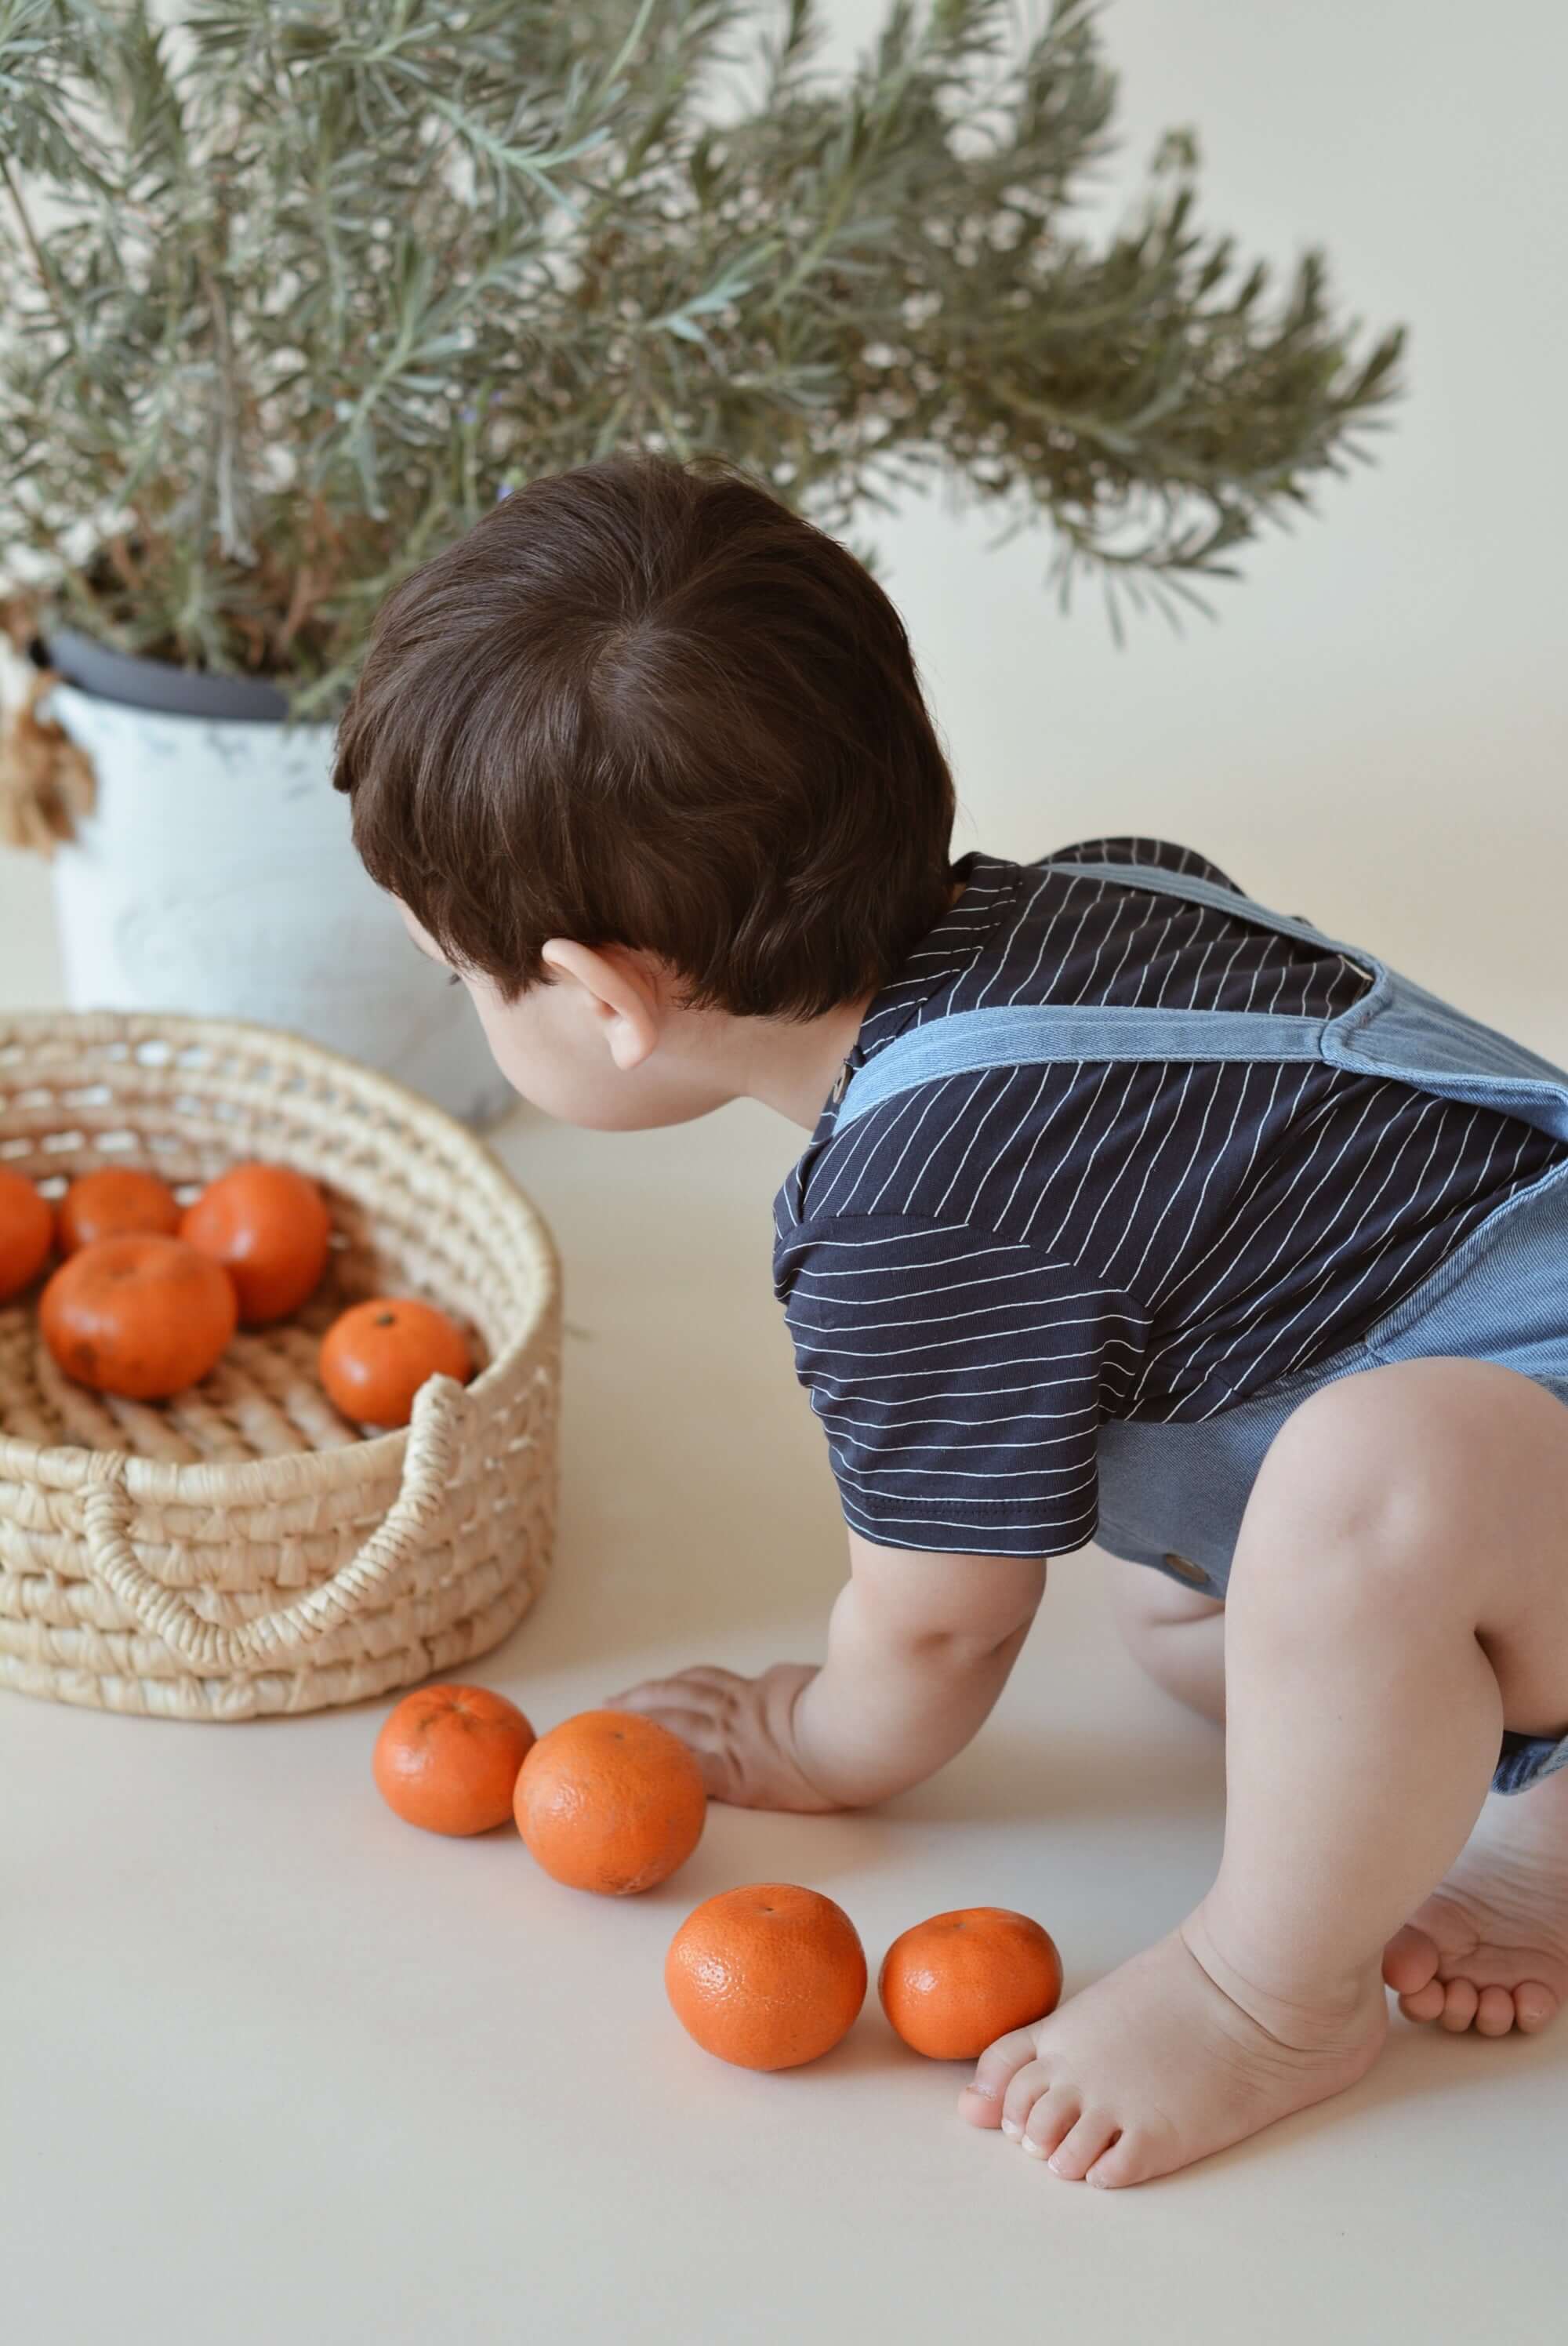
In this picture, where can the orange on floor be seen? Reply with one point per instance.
(117, 1202)
(140, 1317)
(767, 1976)
(610, 1802)
(27, 1232)
(270, 1229)
(953, 1985)
(375, 1357)
(447, 1758)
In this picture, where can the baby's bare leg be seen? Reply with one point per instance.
(1488, 1951)
(1175, 1635)
(1399, 1592)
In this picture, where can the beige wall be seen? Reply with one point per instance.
(1373, 733)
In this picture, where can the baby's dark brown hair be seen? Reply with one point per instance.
(643, 703)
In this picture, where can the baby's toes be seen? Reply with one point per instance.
(1130, 2157)
(1461, 2000)
(1427, 2001)
(1409, 1965)
(1055, 2114)
(1093, 2133)
(982, 2098)
(1534, 2003)
(1018, 2102)
(1494, 2012)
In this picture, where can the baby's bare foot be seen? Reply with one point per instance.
(1488, 1950)
(1155, 2065)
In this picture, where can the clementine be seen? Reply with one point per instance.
(270, 1229)
(139, 1316)
(766, 1977)
(114, 1202)
(610, 1802)
(375, 1357)
(953, 1985)
(27, 1232)
(447, 1758)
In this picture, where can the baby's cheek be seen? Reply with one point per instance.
(507, 1045)
(543, 1068)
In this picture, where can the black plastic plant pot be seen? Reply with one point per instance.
(107, 675)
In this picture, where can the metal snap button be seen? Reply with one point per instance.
(1188, 1571)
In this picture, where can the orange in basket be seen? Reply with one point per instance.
(119, 1202)
(374, 1359)
(270, 1229)
(27, 1233)
(140, 1317)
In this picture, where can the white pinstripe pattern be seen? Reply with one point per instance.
(1175, 1234)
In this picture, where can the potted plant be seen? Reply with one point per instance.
(293, 293)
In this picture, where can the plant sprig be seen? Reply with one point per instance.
(294, 289)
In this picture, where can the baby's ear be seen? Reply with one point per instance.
(623, 998)
(570, 963)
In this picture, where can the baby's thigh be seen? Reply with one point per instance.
(1175, 1635)
(1441, 1481)
(1146, 1599)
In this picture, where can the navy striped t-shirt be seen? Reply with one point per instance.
(981, 1270)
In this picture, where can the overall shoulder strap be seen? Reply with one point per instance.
(1398, 1029)
(1161, 882)
(1033, 1035)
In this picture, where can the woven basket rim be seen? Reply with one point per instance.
(256, 1481)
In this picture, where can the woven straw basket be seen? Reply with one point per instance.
(241, 1550)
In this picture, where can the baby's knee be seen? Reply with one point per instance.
(1370, 1476)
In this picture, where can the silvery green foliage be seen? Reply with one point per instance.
(295, 288)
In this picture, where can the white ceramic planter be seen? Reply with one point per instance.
(216, 876)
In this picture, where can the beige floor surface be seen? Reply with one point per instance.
(278, 2072)
(279, 2068)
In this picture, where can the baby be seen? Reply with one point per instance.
(1131, 1210)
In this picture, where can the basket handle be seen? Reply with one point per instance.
(273, 1636)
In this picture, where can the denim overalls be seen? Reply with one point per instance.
(1172, 1495)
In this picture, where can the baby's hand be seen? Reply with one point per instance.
(741, 1730)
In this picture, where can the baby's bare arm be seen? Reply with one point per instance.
(919, 1648)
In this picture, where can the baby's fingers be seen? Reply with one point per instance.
(698, 1730)
(692, 1688)
(718, 1778)
(678, 1705)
